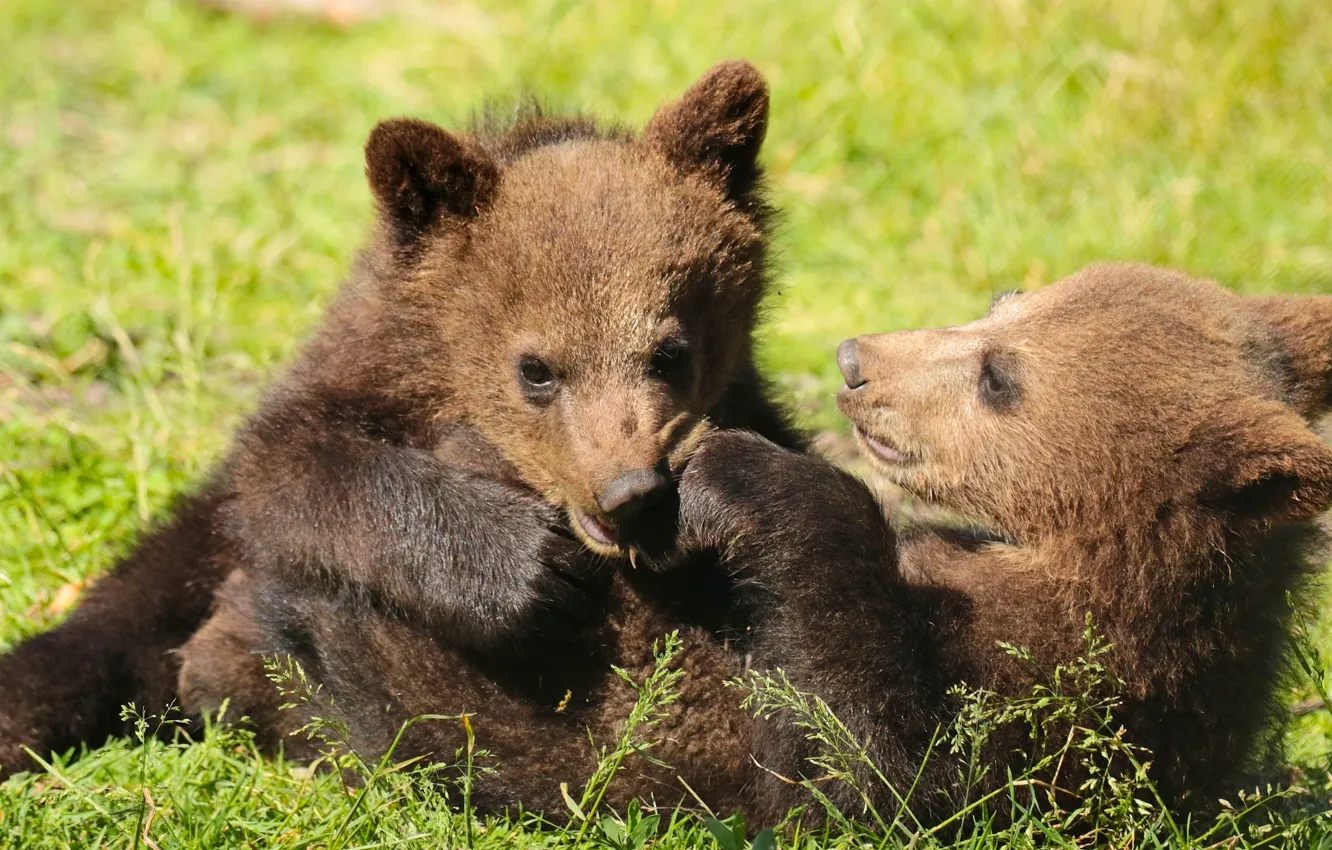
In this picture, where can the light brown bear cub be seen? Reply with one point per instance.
(1140, 443)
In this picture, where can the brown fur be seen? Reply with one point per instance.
(1166, 486)
(1140, 443)
(405, 470)
(533, 710)
(1130, 431)
(379, 669)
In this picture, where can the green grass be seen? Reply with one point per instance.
(181, 191)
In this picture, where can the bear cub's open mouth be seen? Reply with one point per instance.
(647, 537)
(883, 449)
(600, 532)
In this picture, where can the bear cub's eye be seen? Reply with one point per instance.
(537, 380)
(997, 386)
(670, 362)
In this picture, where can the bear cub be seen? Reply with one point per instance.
(1138, 444)
(489, 420)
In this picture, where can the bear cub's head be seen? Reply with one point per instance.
(581, 297)
(1124, 397)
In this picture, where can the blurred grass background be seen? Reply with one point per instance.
(181, 192)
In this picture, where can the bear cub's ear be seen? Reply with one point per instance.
(1304, 327)
(1270, 469)
(717, 127)
(420, 174)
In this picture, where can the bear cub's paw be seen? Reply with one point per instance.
(787, 516)
(537, 580)
(739, 484)
(569, 587)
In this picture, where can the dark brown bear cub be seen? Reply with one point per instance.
(492, 413)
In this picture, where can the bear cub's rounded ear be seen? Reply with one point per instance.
(419, 174)
(1303, 327)
(1270, 468)
(717, 127)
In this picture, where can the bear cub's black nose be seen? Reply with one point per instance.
(629, 492)
(848, 360)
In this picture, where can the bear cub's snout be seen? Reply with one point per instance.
(629, 493)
